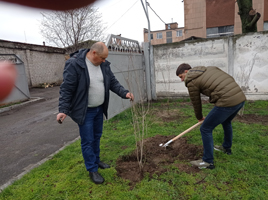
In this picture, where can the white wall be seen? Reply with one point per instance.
(242, 56)
(251, 64)
(43, 64)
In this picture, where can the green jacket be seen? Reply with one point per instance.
(219, 86)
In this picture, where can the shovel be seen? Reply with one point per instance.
(178, 136)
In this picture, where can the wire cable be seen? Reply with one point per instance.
(155, 13)
(121, 16)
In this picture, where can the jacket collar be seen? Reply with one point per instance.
(80, 56)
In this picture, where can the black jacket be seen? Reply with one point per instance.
(73, 99)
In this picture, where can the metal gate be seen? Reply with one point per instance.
(127, 64)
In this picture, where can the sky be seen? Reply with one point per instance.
(125, 17)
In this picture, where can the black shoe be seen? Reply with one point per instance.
(96, 177)
(103, 165)
(228, 151)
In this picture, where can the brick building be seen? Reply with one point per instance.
(206, 19)
(172, 33)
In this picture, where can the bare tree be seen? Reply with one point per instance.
(249, 16)
(139, 113)
(139, 110)
(70, 28)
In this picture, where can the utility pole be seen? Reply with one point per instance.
(149, 28)
(150, 49)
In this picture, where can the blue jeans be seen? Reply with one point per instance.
(218, 115)
(90, 133)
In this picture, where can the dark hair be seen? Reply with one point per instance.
(182, 67)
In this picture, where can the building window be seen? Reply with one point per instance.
(159, 35)
(168, 26)
(220, 31)
(265, 26)
(179, 33)
(169, 40)
(169, 34)
(152, 36)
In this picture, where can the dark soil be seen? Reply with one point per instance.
(158, 159)
(251, 118)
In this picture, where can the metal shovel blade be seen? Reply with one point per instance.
(166, 144)
(178, 136)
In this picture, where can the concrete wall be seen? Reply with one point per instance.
(251, 64)
(46, 64)
(43, 64)
(245, 57)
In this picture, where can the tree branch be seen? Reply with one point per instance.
(253, 21)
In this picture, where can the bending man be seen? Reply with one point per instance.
(228, 98)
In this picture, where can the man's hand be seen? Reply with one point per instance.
(200, 120)
(61, 117)
(130, 96)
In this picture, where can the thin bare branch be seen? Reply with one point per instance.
(69, 28)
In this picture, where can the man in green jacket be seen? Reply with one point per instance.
(228, 98)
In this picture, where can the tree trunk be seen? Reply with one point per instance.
(249, 17)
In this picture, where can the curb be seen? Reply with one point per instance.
(31, 100)
(32, 166)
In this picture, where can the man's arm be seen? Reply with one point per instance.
(116, 87)
(67, 89)
(196, 100)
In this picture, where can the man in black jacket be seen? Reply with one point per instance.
(84, 96)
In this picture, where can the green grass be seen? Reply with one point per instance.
(10, 104)
(243, 175)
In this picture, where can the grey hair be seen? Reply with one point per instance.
(98, 47)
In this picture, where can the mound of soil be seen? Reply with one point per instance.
(156, 159)
(251, 118)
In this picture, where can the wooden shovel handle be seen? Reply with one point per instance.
(186, 131)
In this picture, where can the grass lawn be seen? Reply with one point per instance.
(242, 175)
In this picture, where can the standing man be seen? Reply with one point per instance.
(84, 96)
(228, 98)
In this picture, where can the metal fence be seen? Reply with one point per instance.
(127, 64)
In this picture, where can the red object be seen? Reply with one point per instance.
(53, 4)
(8, 75)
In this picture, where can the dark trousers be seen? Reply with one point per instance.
(218, 115)
(90, 133)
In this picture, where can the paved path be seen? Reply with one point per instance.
(30, 133)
